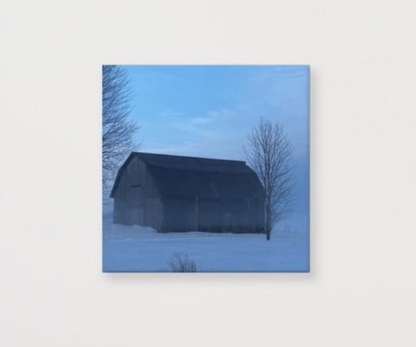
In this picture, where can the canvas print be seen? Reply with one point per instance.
(205, 168)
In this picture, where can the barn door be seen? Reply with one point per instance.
(137, 216)
(136, 211)
(227, 221)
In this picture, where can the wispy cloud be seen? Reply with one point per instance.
(222, 113)
(209, 134)
(171, 114)
(214, 116)
(201, 120)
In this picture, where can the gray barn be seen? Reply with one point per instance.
(176, 193)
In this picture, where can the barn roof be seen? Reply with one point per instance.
(199, 177)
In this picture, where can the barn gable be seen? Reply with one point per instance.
(136, 196)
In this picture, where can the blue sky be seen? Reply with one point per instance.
(207, 111)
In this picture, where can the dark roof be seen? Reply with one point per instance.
(199, 177)
(192, 163)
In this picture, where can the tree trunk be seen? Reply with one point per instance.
(268, 236)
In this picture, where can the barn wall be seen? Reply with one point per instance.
(119, 206)
(137, 199)
(257, 215)
(240, 216)
(154, 213)
(191, 214)
(179, 214)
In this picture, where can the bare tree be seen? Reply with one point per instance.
(180, 262)
(118, 130)
(269, 153)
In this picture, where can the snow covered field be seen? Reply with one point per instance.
(138, 248)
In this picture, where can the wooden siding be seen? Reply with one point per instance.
(137, 200)
(188, 214)
(179, 214)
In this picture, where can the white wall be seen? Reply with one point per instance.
(361, 290)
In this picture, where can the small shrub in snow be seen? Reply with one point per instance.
(180, 262)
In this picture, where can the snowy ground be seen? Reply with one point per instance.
(138, 248)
